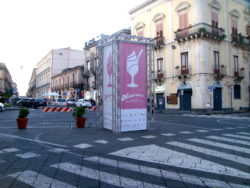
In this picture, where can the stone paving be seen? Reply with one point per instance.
(197, 152)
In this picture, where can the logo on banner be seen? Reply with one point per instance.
(133, 67)
(109, 69)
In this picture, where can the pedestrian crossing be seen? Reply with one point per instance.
(210, 161)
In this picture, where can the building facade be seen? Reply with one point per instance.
(6, 83)
(69, 83)
(32, 85)
(54, 63)
(202, 52)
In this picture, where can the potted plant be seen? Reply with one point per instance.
(22, 119)
(78, 113)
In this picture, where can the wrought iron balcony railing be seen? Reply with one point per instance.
(240, 40)
(201, 30)
(159, 42)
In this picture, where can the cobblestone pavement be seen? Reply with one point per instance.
(178, 151)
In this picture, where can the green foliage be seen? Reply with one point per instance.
(79, 111)
(223, 36)
(7, 105)
(23, 113)
(202, 30)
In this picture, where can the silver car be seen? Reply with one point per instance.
(84, 103)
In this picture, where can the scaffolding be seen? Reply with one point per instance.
(114, 41)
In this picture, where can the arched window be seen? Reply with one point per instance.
(139, 28)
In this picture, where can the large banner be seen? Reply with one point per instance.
(133, 86)
(107, 86)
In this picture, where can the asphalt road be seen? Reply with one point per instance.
(178, 151)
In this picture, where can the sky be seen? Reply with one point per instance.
(29, 29)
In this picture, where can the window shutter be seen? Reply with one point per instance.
(248, 30)
(185, 18)
(159, 29)
(181, 24)
(214, 17)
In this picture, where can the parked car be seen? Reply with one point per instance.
(25, 102)
(2, 107)
(71, 102)
(61, 102)
(39, 102)
(84, 103)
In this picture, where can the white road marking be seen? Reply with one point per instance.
(83, 146)
(9, 150)
(125, 139)
(27, 155)
(237, 136)
(102, 141)
(244, 133)
(168, 134)
(202, 131)
(149, 136)
(217, 144)
(35, 179)
(58, 150)
(105, 177)
(38, 141)
(229, 140)
(215, 153)
(159, 173)
(157, 154)
(229, 128)
(215, 129)
(185, 132)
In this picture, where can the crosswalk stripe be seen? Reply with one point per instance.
(83, 146)
(244, 133)
(27, 155)
(35, 179)
(217, 144)
(182, 177)
(215, 153)
(229, 140)
(156, 154)
(237, 136)
(105, 177)
(9, 150)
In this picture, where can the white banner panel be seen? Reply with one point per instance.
(107, 87)
(133, 119)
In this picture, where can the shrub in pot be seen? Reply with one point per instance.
(22, 119)
(78, 113)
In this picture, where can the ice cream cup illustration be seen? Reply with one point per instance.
(133, 67)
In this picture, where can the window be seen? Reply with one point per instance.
(234, 26)
(237, 93)
(159, 30)
(216, 61)
(248, 30)
(184, 62)
(236, 65)
(183, 23)
(160, 65)
(214, 17)
(73, 78)
(140, 33)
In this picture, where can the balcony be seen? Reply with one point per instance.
(183, 72)
(159, 76)
(219, 72)
(159, 42)
(239, 75)
(201, 30)
(241, 41)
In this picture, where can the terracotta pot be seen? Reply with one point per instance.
(22, 123)
(80, 122)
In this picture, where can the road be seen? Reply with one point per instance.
(179, 150)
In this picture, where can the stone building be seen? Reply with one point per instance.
(32, 85)
(6, 83)
(202, 52)
(69, 83)
(54, 63)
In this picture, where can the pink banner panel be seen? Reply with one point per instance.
(133, 76)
